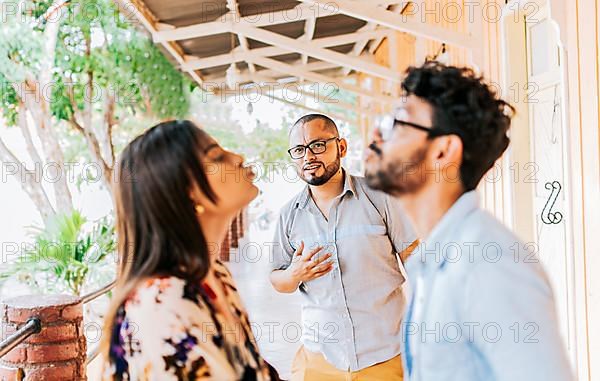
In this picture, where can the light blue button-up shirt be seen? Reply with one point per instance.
(352, 315)
(481, 306)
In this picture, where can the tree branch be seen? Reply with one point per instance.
(50, 39)
(109, 117)
(30, 184)
(89, 89)
(31, 94)
(96, 151)
(88, 128)
(24, 127)
(39, 108)
(75, 124)
(68, 81)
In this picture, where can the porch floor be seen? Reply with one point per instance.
(275, 317)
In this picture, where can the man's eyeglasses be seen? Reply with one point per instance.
(386, 127)
(316, 147)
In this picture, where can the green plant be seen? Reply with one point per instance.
(66, 256)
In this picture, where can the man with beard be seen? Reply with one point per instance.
(481, 306)
(337, 242)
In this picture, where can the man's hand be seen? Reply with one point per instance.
(303, 268)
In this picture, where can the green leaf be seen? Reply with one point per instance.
(64, 252)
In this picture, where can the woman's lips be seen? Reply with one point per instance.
(250, 174)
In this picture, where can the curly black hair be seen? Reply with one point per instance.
(463, 104)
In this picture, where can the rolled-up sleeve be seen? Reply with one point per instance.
(281, 250)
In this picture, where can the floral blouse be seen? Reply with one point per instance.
(169, 330)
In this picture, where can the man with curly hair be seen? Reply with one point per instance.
(481, 306)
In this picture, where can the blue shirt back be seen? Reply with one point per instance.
(481, 306)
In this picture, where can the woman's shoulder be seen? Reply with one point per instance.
(164, 327)
(222, 272)
(165, 295)
(155, 289)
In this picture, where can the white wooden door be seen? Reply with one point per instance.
(549, 160)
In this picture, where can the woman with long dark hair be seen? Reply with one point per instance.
(176, 314)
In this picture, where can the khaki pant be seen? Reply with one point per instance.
(309, 366)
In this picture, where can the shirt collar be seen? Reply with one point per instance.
(465, 204)
(349, 186)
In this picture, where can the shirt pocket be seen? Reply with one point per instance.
(355, 231)
(370, 239)
(375, 229)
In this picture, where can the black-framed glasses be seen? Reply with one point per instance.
(387, 124)
(316, 147)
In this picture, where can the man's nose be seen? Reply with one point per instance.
(309, 156)
(374, 147)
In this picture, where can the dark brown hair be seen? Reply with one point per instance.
(158, 231)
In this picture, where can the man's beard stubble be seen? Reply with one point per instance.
(330, 170)
(399, 177)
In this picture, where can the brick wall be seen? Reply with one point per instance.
(58, 352)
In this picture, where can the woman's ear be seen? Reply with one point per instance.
(197, 197)
(194, 192)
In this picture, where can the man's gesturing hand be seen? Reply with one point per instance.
(303, 268)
